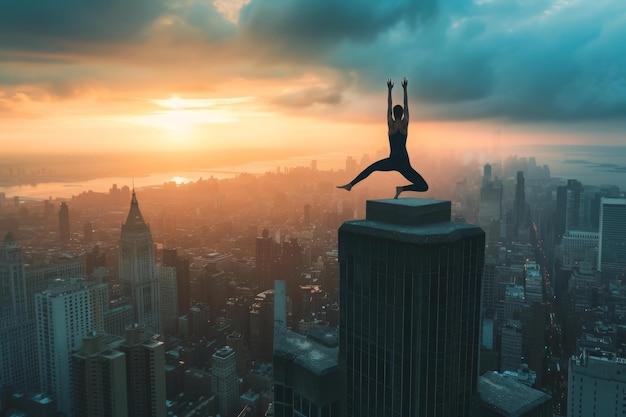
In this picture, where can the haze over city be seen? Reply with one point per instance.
(184, 229)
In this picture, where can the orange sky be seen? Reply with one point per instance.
(201, 75)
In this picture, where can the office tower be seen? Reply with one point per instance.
(145, 372)
(171, 258)
(99, 378)
(261, 318)
(224, 381)
(264, 261)
(242, 352)
(574, 210)
(612, 245)
(409, 310)
(502, 395)
(213, 287)
(596, 385)
(307, 381)
(18, 362)
(64, 316)
(486, 174)
(168, 303)
(519, 208)
(533, 283)
(490, 210)
(137, 268)
(307, 214)
(64, 223)
(39, 276)
(578, 246)
(511, 346)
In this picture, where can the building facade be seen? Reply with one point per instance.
(409, 310)
(612, 245)
(596, 385)
(18, 364)
(137, 268)
(224, 381)
(145, 373)
(64, 316)
(99, 378)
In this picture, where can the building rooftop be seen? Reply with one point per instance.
(414, 220)
(224, 352)
(305, 351)
(508, 396)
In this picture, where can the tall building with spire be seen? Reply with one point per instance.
(137, 267)
(409, 310)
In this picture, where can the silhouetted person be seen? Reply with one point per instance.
(398, 122)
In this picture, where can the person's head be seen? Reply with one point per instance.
(398, 112)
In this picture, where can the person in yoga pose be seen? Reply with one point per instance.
(398, 122)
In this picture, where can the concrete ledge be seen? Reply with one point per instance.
(408, 211)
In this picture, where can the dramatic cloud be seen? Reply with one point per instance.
(521, 61)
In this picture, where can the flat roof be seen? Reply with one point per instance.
(505, 394)
(306, 352)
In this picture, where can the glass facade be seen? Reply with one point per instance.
(409, 317)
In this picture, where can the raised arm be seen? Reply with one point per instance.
(405, 82)
(389, 103)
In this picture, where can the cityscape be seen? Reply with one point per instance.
(312, 208)
(243, 297)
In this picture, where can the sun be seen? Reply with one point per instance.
(174, 102)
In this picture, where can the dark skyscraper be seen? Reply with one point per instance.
(519, 209)
(171, 258)
(264, 261)
(409, 310)
(64, 223)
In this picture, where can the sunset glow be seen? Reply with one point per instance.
(198, 75)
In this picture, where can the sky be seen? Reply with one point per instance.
(164, 75)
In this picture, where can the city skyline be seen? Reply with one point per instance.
(272, 75)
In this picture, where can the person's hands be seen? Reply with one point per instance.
(389, 83)
(405, 82)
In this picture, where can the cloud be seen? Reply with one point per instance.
(307, 97)
(45, 25)
(522, 61)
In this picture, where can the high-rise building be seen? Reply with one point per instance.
(64, 316)
(596, 385)
(64, 223)
(410, 310)
(168, 303)
(261, 325)
(18, 364)
(533, 282)
(224, 381)
(264, 261)
(145, 373)
(171, 258)
(99, 378)
(307, 381)
(490, 211)
(520, 208)
(511, 346)
(39, 276)
(612, 245)
(137, 268)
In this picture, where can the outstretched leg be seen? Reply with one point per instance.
(418, 182)
(382, 165)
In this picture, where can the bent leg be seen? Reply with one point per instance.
(382, 165)
(418, 182)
